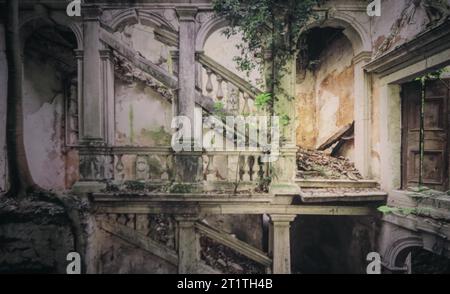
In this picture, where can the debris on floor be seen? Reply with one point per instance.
(319, 165)
(226, 260)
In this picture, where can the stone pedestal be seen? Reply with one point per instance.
(280, 237)
(188, 245)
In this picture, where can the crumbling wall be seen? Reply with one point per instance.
(399, 22)
(35, 237)
(43, 93)
(3, 98)
(325, 95)
(143, 116)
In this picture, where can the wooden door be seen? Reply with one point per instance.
(436, 116)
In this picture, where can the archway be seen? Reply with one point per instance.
(50, 103)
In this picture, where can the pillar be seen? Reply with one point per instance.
(107, 74)
(188, 164)
(283, 185)
(362, 114)
(390, 137)
(281, 243)
(3, 107)
(188, 245)
(92, 120)
(96, 105)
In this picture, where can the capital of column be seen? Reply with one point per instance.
(363, 56)
(186, 220)
(186, 13)
(106, 54)
(282, 219)
(79, 53)
(91, 12)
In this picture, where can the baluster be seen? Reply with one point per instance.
(251, 165)
(246, 107)
(142, 168)
(122, 219)
(261, 172)
(219, 89)
(131, 218)
(246, 170)
(206, 161)
(120, 168)
(241, 164)
(209, 86)
(165, 168)
(233, 98)
(142, 223)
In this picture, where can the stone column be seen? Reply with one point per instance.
(362, 114)
(96, 103)
(283, 185)
(281, 243)
(3, 107)
(92, 121)
(188, 164)
(390, 137)
(108, 95)
(188, 245)
(186, 67)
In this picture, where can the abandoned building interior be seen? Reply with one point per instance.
(363, 165)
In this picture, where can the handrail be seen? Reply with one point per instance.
(228, 75)
(141, 62)
(235, 244)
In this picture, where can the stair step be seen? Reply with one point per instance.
(323, 183)
(342, 195)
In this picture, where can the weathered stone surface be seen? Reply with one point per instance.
(35, 237)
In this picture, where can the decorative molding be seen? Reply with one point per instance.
(424, 45)
(187, 13)
(364, 56)
(91, 12)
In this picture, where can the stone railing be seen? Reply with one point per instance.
(222, 85)
(246, 168)
(143, 164)
(220, 169)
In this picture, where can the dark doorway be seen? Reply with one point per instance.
(435, 156)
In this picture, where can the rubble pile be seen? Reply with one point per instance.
(227, 260)
(318, 164)
(162, 230)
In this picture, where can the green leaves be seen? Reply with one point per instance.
(266, 26)
(263, 100)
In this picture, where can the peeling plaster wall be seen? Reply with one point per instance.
(43, 122)
(143, 117)
(400, 22)
(223, 50)
(325, 96)
(3, 98)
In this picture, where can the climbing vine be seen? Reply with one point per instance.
(270, 32)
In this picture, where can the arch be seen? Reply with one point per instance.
(207, 29)
(390, 258)
(353, 30)
(34, 21)
(130, 16)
